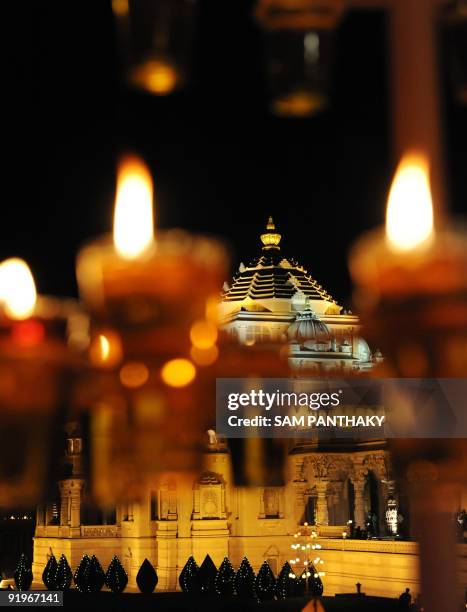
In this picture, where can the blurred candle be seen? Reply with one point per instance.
(413, 256)
(36, 361)
(155, 40)
(411, 291)
(150, 293)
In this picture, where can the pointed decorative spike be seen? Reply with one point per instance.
(188, 576)
(23, 574)
(244, 580)
(64, 575)
(265, 583)
(224, 582)
(48, 575)
(147, 578)
(116, 577)
(79, 577)
(207, 576)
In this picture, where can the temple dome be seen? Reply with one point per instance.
(272, 275)
(308, 328)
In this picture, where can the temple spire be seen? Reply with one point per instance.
(270, 238)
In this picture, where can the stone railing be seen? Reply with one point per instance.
(99, 531)
(330, 531)
(374, 546)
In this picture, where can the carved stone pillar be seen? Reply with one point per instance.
(359, 502)
(322, 517)
(75, 502)
(64, 501)
(298, 503)
(40, 515)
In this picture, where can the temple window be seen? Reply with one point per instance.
(164, 503)
(270, 503)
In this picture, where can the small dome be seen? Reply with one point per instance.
(308, 327)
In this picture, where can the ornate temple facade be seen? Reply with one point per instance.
(270, 299)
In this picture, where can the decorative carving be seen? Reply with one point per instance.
(108, 531)
(378, 463)
(299, 471)
(321, 465)
(209, 497)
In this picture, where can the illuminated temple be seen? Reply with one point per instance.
(272, 298)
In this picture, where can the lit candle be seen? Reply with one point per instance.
(36, 335)
(151, 295)
(412, 292)
(413, 275)
(161, 285)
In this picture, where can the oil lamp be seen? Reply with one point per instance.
(155, 40)
(413, 277)
(154, 336)
(412, 293)
(299, 36)
(38, 341)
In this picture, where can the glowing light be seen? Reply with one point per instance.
(17, 288)
(28, 333)
(106, 349)
(157, 77)
(133, 219)
(409, 216)
(178, 372)
(104, 346)
(203, 334)
(204, 357)
(212, 309)
(134, 374)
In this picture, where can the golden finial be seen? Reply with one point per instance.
(270, 238)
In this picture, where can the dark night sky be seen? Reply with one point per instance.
(221, 163)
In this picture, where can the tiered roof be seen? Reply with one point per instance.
(271, 275)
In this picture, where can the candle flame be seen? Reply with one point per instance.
(104, 346)
(17, 288)
(133, 220)
(409, 216)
